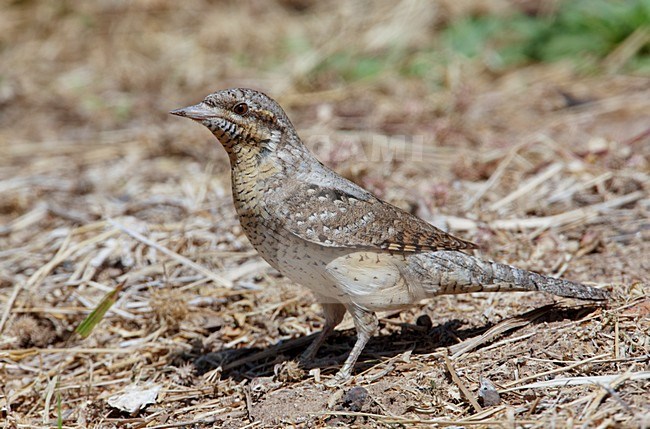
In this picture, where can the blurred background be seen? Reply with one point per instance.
(523, 125)
(459, 74)
(354, 76)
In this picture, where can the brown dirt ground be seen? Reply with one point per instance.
(99, 187)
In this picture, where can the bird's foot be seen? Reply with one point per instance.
(341, 378)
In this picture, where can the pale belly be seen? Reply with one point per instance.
(372, 280)
(301, 261)
(376, 280)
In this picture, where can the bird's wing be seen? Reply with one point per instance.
(339, 213)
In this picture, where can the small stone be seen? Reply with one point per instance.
(355, 398)
(488, 394)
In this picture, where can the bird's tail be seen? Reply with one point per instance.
(452, 272)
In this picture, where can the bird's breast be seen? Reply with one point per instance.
(254, 199)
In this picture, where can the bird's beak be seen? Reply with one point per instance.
(198, 112)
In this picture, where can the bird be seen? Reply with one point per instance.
(354, 251)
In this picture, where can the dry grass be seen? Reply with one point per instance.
(100, 187)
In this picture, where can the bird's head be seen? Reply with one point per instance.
(246, 122)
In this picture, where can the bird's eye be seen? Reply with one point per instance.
(240, 108)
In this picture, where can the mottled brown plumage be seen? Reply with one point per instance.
(355, 252)
(354, 218)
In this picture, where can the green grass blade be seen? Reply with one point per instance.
(59, 414)
(85, 328)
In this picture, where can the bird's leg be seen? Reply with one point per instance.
(366, 325)
(333, 313)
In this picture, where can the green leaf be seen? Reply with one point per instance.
(89, 323)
